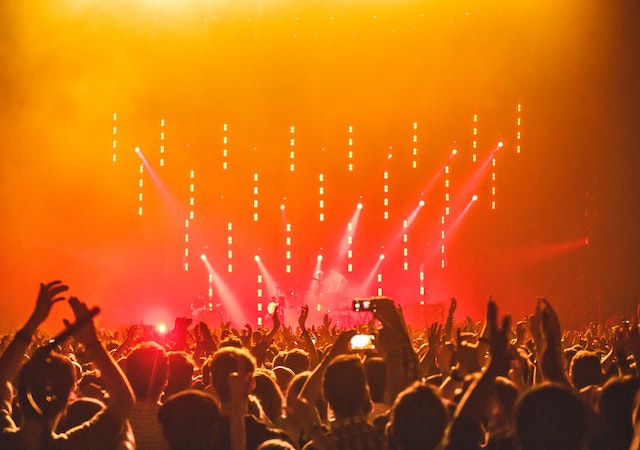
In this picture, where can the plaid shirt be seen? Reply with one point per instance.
(353, 433)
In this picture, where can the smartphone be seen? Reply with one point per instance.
(363, 304)
(362, 342)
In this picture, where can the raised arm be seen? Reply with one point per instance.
(312, 389)
(12, 358)
(306, 337)
(550, 349)
(121, 397)
(448, 326)
(427, 364)
(396, 349)
(476, 398)
(259, 351)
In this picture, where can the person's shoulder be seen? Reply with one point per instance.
(10, 438)
(263, 431)
(102, 430)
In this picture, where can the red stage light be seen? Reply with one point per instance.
(474, 198)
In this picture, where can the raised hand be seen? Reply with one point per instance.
(326, 321)
(276, 318)
(452, 306)
(134, 334)
(548, 342)
(490, 321)
(549, 321)
(434, 336)
(341, 345)
(49, 295)
(389, 314)
(467, 356)
(499, 345)
(86, 333)
(304, 314)
(448, 327)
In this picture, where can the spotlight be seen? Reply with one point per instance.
(421, 203)
(319, 258)
(359, 205)
(137, 150)
(282, 207)
(454, 152)
(500, 144)
(381, 256)
(203, 257)
(256, 258)
(161, 328)
(474, 198)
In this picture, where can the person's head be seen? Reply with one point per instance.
(276, 444)
(616, 404)
(502, 403)
(297, 360)
(295, 386)
(226, 361)
(180, 376)
(44, 384)
(188, 420)
(231, 340)
(278, 359)
(585, 369)
(345, 387)
(550, 416)
(79, 411)
(283, 375)
(465, 432)
(269, 394)
(146, 367)
(521, 330)
(418, 418)
(569, 353)
(375, 370)
(205, 372)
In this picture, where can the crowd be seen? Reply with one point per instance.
(492, 384)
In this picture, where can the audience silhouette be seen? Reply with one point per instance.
(530, 386)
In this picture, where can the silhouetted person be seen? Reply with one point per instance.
(146, 367)
(418, 419)
(225, 362)
(551, 416)
(345, 389)
(44, 383)
(189, 419)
